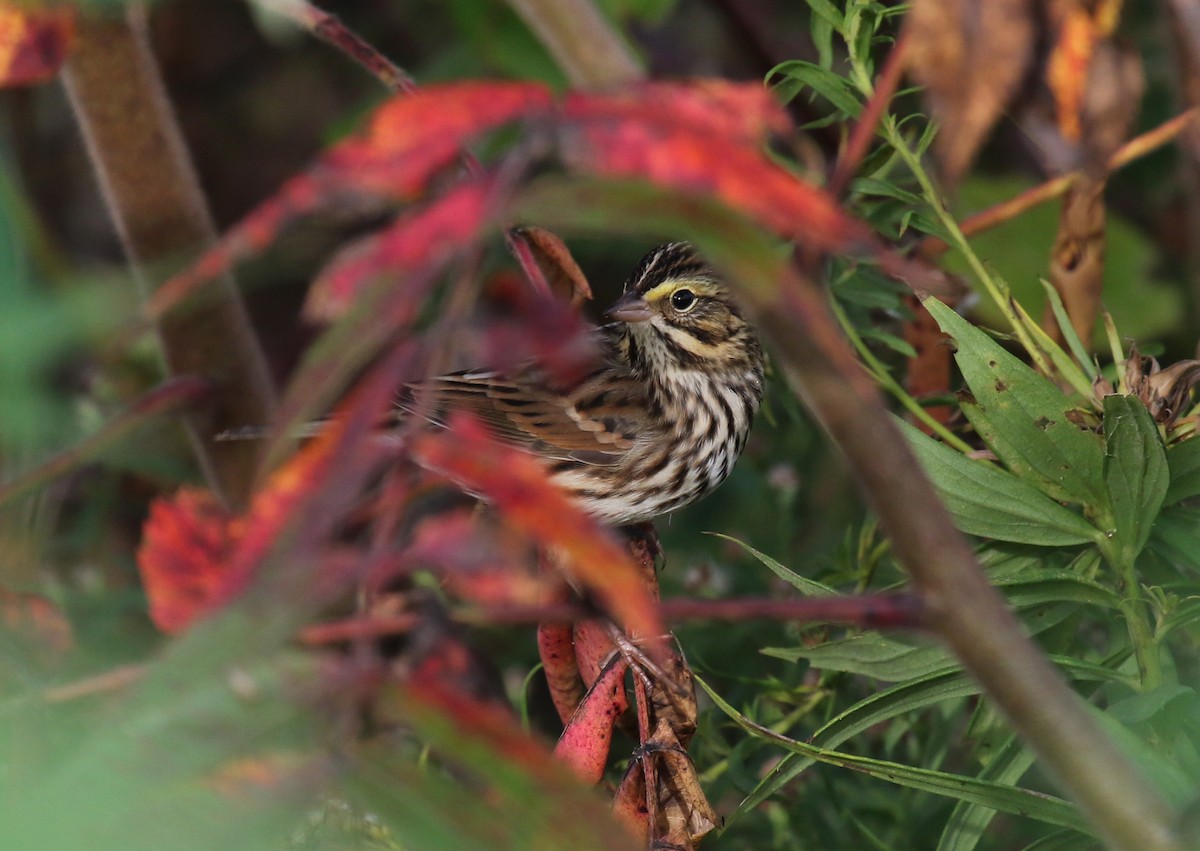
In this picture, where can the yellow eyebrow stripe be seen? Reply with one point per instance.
(661, 291)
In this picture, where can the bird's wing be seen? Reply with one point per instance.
(593, 424)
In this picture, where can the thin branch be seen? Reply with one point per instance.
(155, 201)
(112, 680)
(330, 29)
(168, 398)
(1135, 148)
(581, 40)
(868, 611)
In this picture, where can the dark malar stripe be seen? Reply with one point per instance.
(679, 353)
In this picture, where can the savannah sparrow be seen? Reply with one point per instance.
(660, 423)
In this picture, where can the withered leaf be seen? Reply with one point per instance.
(971, 58)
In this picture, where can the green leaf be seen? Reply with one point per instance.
(1062, 840)
(828, 12)
(808, 587)
(1078, 349)
(1024, 418)
(893, 342)
(992, 503)
(871, 655)
(1135, 471)
(968, 822)
(1009, 799)
(798, 74)
(1183, 459)
(1038, 587)
(1174, 536)
(920, 693)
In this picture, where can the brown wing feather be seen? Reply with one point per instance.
(561, 427)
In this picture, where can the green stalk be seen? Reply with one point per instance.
(998, 293)
(884, 379)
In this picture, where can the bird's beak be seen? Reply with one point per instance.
(630, 308)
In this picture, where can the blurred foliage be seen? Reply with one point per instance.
(209, 742)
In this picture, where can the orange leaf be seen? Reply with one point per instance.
(517, 484)
(184, 557)
(33, 43)
(1067, 69)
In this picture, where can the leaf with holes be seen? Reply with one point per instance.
(1025, 419)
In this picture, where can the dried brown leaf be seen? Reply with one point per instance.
(971, 58)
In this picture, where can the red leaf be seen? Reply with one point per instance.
(195, 555)
(671, 153)
(184, 557)
(417, 240)
(585, 742)
(517, 484)
(411, 137)
(742, 112)
(33, 43)
(481, 562)
(408, 140)
(556, 648)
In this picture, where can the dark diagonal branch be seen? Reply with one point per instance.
(154, 198)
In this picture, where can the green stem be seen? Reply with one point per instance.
(998, 293)
(884, 379)
(1142, 636)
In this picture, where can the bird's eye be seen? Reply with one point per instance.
(683, 300)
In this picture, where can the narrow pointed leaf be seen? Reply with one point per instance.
(1009, 799)
(912, 696)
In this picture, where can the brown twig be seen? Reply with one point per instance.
(168, 398)
(154, 198)
(864, 128)
(870, 611)
(1135, 148)
(330, 29)
(109, 681)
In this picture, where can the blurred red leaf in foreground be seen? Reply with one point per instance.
(413, 241)
(184, 557)
(517, 485)
(34, 43)
(195, 555)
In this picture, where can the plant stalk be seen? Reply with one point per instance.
(586, 47)
(154, 198)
